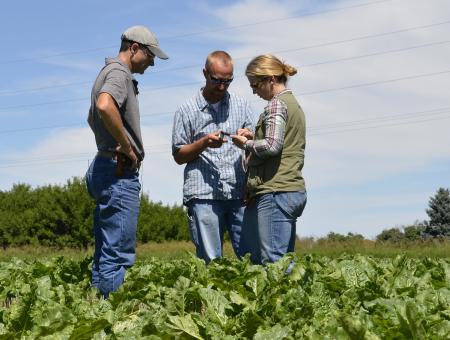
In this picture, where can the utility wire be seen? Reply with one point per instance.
(190, 83)
(409, 115)
(281, 19)
(12, 92)
(166, 150)
(374, 83)
(332, 61)
(149, 148)
(321, 129)
(300, 94)
(378, 126)
(222, 29)
(41, 88)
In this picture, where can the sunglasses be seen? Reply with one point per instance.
(258, 83)
(147, 51)
(217, 81)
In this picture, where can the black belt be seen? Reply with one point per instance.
(108, 154)
(114, 155)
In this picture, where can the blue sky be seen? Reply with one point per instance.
(373, 82)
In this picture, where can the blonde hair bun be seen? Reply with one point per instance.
(289, 70)
(268, 65)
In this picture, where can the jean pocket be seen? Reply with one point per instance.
(192, 225)
(291, 203)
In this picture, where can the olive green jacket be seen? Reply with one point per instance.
(282, 172)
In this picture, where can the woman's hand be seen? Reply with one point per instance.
(246, 133)
(239, 141)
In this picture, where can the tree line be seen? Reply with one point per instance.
(61, 216)
(436, 228)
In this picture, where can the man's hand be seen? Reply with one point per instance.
(129, 153)
(189, 152)
(213, 140)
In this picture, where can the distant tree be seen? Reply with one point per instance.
(439, 214)
(439, 204)
(336, 237)
(414, 232)
(61, 216)
(391, 235)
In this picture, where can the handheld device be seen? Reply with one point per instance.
(223, 134)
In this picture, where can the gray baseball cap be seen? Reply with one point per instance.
(144, 36)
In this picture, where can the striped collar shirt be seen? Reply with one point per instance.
(217, 173)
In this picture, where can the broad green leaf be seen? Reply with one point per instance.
(87, 328)
(277, 332)
(257, 283)
(216, 304)
(184, 324)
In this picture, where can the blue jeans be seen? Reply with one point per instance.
(269, 229)
(208, 220)
(115, 221)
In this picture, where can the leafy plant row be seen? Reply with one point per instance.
(351, 297)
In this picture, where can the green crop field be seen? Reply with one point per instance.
(343, 297)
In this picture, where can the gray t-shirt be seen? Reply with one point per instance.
(116, 79)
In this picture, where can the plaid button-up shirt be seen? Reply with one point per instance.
(217, 173)
(274, 119)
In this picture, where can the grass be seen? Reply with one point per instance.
(181, 249)
(417, 249)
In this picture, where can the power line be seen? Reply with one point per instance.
(378, 53)
(149, 148)
(46, 127)
(374, 83)
(321, 129)
(300, 94)
(49, 56)
(207, 31)
(409, 115)
(21, 106)
(15, 165)
(370, 36)
(40, 162)
(40, 128)
(282, 19)
(40, 88)
(379, 125)
(9, 92)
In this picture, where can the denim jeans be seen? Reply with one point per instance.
(115, 222)
(208, 220)
(269, 229)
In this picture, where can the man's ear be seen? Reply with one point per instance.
(134, 47)
(205, 73)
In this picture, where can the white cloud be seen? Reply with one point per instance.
(368, 155)
(63, 154)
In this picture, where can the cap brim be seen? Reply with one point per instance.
(158, 52)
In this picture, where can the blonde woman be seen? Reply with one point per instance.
(276, 194)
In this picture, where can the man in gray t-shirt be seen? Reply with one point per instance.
(113, 178)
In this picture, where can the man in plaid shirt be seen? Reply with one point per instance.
(214, 179)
